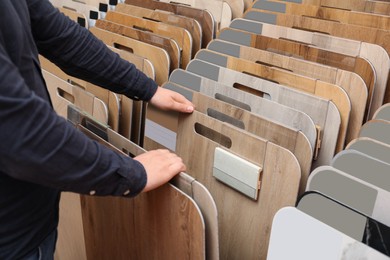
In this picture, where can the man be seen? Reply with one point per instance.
(40, 153)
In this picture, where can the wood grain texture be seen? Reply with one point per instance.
(157, 56)
(220, 10)
(337, 15)
(310, 85)
(311, 53)
(205, 18)
(241, 235)
(71, 242)
(107, 218)
(75, 16)
(162, 223)
(323, 112)
(329, 132)
(167, 44)
(133, 112)
(180, 35)
(190, 24)
(374, 53)
(351, 82)
(273, 111)
(291, 139)
(79, 7)
(237, 7)
(355, 5)
(207, 206)
(366, 34)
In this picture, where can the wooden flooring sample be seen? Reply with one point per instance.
(296, 83)
(273, 111)
(190, 24)
(291, 139)
(327, 13)
(330, 132)
(107, 218)
(374, 53)
(367, 6)
(159, 57)
(167, 44)
(181, 36)
(358, 65)
(241, 235)
(204, 17)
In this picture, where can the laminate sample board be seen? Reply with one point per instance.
(350, 31)
(353, 224)
(132, 116)
(242, 236)
(291, 139)
(353, 192)
(274, 111)
(371, 147)
(63, 93)
(285, 78)
(167, 44)
(302, 51)
(190, 24)
(374, 53)
(80, 18)
(180, 35)
(376, 129)
(110, 99)
(204, 17)
(327, 148)
(383, 113)
(221, 10)
(71, 243)
(366, 6)
(297, 235)
(128, 120)
(168, 220)
(359, 165)
(237, 6)
(326, 13)
(91, 12)
(159, 57)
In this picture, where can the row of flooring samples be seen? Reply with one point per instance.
(287, 151)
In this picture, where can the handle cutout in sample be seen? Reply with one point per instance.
(237, 173)
(225, 118)
(122, 47)
(213, 135)
(62, 93)
(252, 90)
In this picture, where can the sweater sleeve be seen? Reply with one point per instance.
(79, 53)
(36, 145)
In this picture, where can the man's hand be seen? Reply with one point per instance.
(166, 99)
(161, 166)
